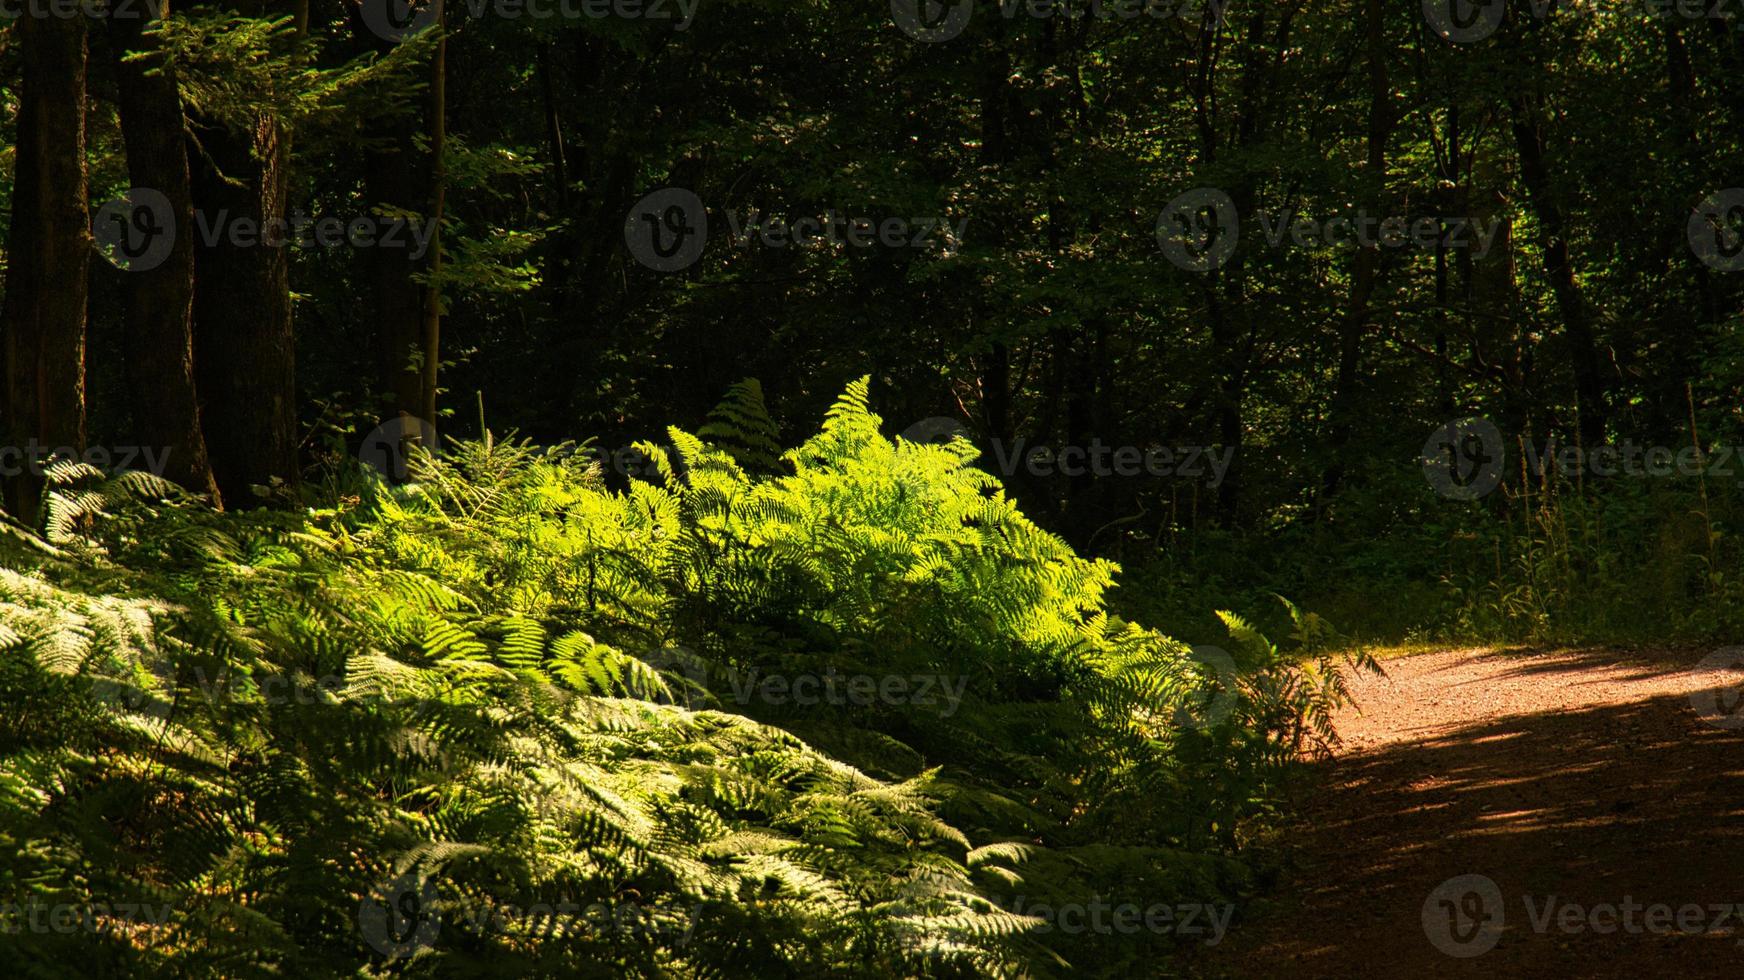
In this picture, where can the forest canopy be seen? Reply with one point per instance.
(655, 487)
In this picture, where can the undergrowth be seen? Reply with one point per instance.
(505, 719)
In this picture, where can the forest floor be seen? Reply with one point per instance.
(1602, 792)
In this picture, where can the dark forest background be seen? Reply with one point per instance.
(1080, 258)
(1580, 140)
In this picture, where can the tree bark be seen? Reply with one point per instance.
(160, 301)
(406, 182)
(48, 251)
(1577, 318)
(1365, 272)
(245, 351)
(245, 366)
(432, 293)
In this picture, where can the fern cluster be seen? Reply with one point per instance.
(371, 735)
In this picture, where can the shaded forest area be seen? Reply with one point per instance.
(708, 463)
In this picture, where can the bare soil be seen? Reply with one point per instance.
(1594, 779)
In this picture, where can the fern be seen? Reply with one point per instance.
(504, 684)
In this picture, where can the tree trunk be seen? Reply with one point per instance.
(1365, 272)
(1577, 318)
(438, 201)
(409, 313)
(49, 250)
(245, 366)
(245, 351)
(160, 300)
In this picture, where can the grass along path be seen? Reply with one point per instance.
(1601, 792)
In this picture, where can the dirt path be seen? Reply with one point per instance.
(1583, 779)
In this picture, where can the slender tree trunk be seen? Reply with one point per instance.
(1366, 269)
(160, 300)
(1723, 30)
(1449, 171)
(996, 383)
(438, 201)
(1577, 317)
(409, 313)
(1683, 98)
(554, 131)
(48, 251)
(1232, 336)
(393, 187)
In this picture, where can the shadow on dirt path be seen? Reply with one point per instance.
(1610, 783)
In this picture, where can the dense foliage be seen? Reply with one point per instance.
(504, 687)
(317, 673)
(1562, 154)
